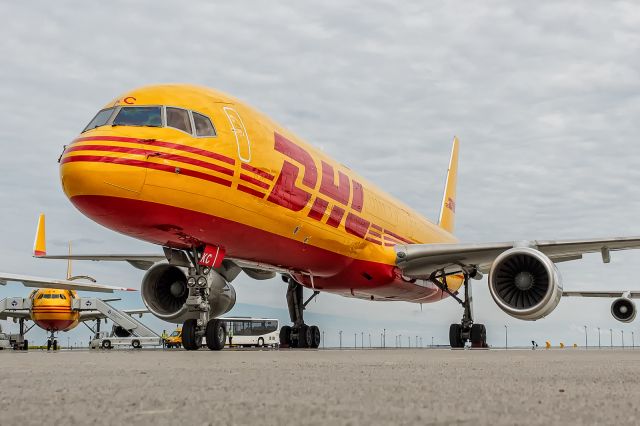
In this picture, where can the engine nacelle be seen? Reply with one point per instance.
(164, 292)
(623, 309)
(525, 283)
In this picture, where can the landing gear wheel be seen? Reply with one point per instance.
(55, 345)
(455, 336)
(48, 345)
(285, 336)
(478, 336)
(314, 334)
(304, 336)
(216, 334)
(189, 339)
(25, 345)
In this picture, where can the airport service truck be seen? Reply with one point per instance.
(107, 340)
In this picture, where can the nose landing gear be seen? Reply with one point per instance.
(52, 342)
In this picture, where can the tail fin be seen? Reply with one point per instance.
(448, 209)
(40, 244)
(69, 276)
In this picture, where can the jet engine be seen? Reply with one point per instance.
(164, 292)
(623, 309)
(525, 283)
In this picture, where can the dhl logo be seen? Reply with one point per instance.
(346, 195)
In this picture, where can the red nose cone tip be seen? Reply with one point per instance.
(39, 253)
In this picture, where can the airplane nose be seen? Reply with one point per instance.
(100, 170)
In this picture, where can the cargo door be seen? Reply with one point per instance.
(240, 133)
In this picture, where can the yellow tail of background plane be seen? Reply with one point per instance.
(448, 209)
(40, 244)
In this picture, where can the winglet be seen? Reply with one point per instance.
(448, 209)
(40, 244)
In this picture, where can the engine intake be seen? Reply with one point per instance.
(164, 292)
(623, 309)
(525, 283)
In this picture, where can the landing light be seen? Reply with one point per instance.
(202, 282)
(191, 282)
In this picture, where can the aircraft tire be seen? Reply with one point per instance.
(455, 336)
(478, 335)
(216, 333)
(314, 334)
(303, 336)
(25, 345)
(285, 336)
(55, 345)
(189, 341)
(48, 345)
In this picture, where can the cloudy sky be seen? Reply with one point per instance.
(544, 100)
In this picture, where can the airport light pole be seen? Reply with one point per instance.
(431, 342)
(400, 340)
(611, 333)
(355, 340)
(633, 341)
(322, 339)
(384, 337)
(599, 347)
(340, 332)
(622, 332)
(506, 337)
(369, 340)
(586, 341)
(362, 340)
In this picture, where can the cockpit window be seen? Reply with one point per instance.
(203, 125)
(41, 296)
(139, 116)
(179, 119)
(100, 119)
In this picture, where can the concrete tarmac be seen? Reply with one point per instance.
(343, 387)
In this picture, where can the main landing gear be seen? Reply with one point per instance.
(300, 335)
(466, 330)
(52, 342)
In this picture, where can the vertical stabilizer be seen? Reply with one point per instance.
(448, 209)
(40, 245)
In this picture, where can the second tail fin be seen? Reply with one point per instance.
(448, 209)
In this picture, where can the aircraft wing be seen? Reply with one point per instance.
(629, 294)
(421, 260)
(140, 261)
(40, 282)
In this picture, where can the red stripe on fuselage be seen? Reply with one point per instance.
(153, 154)
(155, 142)
(250, 191)
(254, 181)
(257, 171)
(146, 164)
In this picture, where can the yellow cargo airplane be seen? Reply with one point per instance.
(51, 303)
(224, 189)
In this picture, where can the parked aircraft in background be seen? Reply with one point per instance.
(223, 189)
(50, 306)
